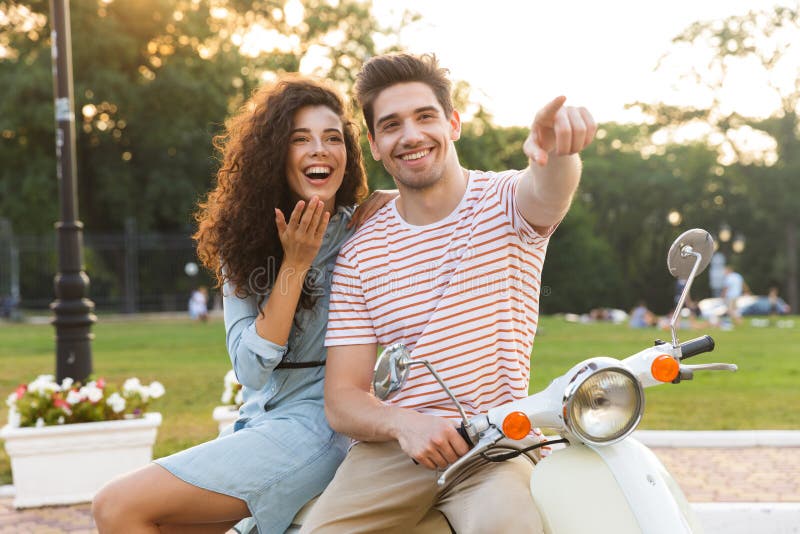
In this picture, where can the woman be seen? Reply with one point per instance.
(291, 151)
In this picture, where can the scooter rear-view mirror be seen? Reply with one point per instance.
(391, 371)
(681, 261)
(688, 256)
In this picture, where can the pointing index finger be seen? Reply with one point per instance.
(547, 114)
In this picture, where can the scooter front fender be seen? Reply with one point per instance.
(621, 488)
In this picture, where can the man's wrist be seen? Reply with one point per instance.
(396, 421)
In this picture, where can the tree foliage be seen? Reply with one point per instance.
(716, 57)
(154, 80)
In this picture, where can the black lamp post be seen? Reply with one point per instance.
(73, 311)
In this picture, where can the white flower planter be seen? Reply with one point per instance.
(225, 416)
(67, 464)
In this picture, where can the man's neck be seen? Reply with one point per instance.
(421, 207)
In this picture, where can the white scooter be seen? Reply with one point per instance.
(616, 483)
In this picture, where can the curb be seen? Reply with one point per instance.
(718, 438)
(749, 517)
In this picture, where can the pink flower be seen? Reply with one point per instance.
(21, 389)
(101, 382)
(58, 402)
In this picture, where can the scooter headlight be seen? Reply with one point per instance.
(603, 404)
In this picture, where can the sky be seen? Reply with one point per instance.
(518, 55)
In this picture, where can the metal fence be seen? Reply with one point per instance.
(129, 272)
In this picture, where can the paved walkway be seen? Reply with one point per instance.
(735, 475)
(759, 474)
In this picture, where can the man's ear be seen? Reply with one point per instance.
(373, 147)
(455, 126)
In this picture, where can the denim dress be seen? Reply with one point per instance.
(282, 452)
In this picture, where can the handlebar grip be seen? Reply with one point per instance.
(463, 432)
(696, 346)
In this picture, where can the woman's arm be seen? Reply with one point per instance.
(253, 357)
(257, 341)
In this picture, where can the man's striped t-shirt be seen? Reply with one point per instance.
(462, 293)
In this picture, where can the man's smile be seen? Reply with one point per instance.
(413, 156)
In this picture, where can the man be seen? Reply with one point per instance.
(451, 270)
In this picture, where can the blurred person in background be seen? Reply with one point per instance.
(733, 287)
(198, 304)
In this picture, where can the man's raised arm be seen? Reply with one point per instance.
(557, 134)
(353, 410)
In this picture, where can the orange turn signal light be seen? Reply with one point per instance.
(516, 425)
(665, 368)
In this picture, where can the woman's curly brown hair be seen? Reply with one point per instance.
(237, 236)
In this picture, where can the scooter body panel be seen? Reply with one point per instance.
(621, 488)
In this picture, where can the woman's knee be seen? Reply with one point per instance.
(108, 507)
(119, 502)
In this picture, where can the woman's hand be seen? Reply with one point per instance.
(374, 202)
(302, 236)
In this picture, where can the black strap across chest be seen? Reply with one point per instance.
(298, 365)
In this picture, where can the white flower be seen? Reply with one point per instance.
(156, 389)
(92, 392)
(230, 379)
(11, 401)
(39, 423)
(227, 396)
(73, 397)
(239, 397)
(66, 384)
(43, 385)
(60, 420)
(116, 402)
(132, 385)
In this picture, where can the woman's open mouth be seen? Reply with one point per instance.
(318, 173)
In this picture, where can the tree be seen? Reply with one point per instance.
(717, 56)
(154, 81)
(632, 188)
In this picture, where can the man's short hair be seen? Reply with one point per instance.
(384, 71)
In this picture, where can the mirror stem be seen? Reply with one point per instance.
(685, 251)
(467, 424)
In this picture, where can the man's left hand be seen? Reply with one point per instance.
(371, 205)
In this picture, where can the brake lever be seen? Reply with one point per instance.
(488, 438)
(712, 367)
(687, 371)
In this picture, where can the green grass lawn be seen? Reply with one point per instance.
(763, 394)
(190, 360)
